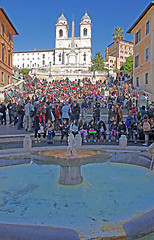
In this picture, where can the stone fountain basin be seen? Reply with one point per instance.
(62, 158)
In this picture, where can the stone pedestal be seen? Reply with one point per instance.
(123, 141)
(78, 140)
(70, 175)
(27, 143)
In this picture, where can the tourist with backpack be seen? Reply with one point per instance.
(146, 129)
(129, 123)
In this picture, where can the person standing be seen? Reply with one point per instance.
(29, 110)
(9, 107)
(19, 115)
(146, 129)
(4, 113)
(65, 112)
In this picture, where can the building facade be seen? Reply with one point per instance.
(143, 30)
(116, 53)
(33, 59)
(7, 30)
(70, 52)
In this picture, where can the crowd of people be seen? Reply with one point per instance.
(61, 105)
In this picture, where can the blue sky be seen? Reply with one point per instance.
(35, 20)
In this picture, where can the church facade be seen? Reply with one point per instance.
(70, 52)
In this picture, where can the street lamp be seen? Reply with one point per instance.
(50, 69)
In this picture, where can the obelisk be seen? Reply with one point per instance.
(72, 43)
(72, 54)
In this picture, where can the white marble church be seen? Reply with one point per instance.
(73, 50)
(71, 57)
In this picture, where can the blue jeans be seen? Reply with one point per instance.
(19, 121)
(134, 136)
(129, 133)
(100, 134)
(49, 137)
(111, 134)
(91, 134)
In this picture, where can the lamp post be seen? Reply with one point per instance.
(50, 69)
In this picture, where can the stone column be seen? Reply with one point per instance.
(27, 143)
(123, 141)
(70, 175)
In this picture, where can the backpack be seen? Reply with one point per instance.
(146, 127)
(127, 123)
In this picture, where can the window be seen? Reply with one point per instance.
(146, 78)
(137, 61)
(9, 36)
(9, 59)
(23, 59)
(2, 77)
(23, 65)
(38, 65)
(121, 51)
(43, 56)
(23, 54)
(38, 53)
(137, 82)
(38, 58)
(121, 57)
(147, 54)
(2, 53)
(138, 36)
(27, 58)
(60, 57)
(85, 31)
(43, 62)
(3, 29)
(8, 80)
(111, 61)
(60, 33)
(126, 52)
(147, 27)
(33, 58)
(84, 57)
(27, 65)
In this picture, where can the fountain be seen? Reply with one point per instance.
(33, 204)
(70, 161)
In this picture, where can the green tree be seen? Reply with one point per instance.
(127, 67)
(25, 71)
(117, 36)
(98, 62)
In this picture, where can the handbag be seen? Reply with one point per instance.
(41, 130)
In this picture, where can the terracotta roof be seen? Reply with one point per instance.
(16, 33)
(141, 16)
